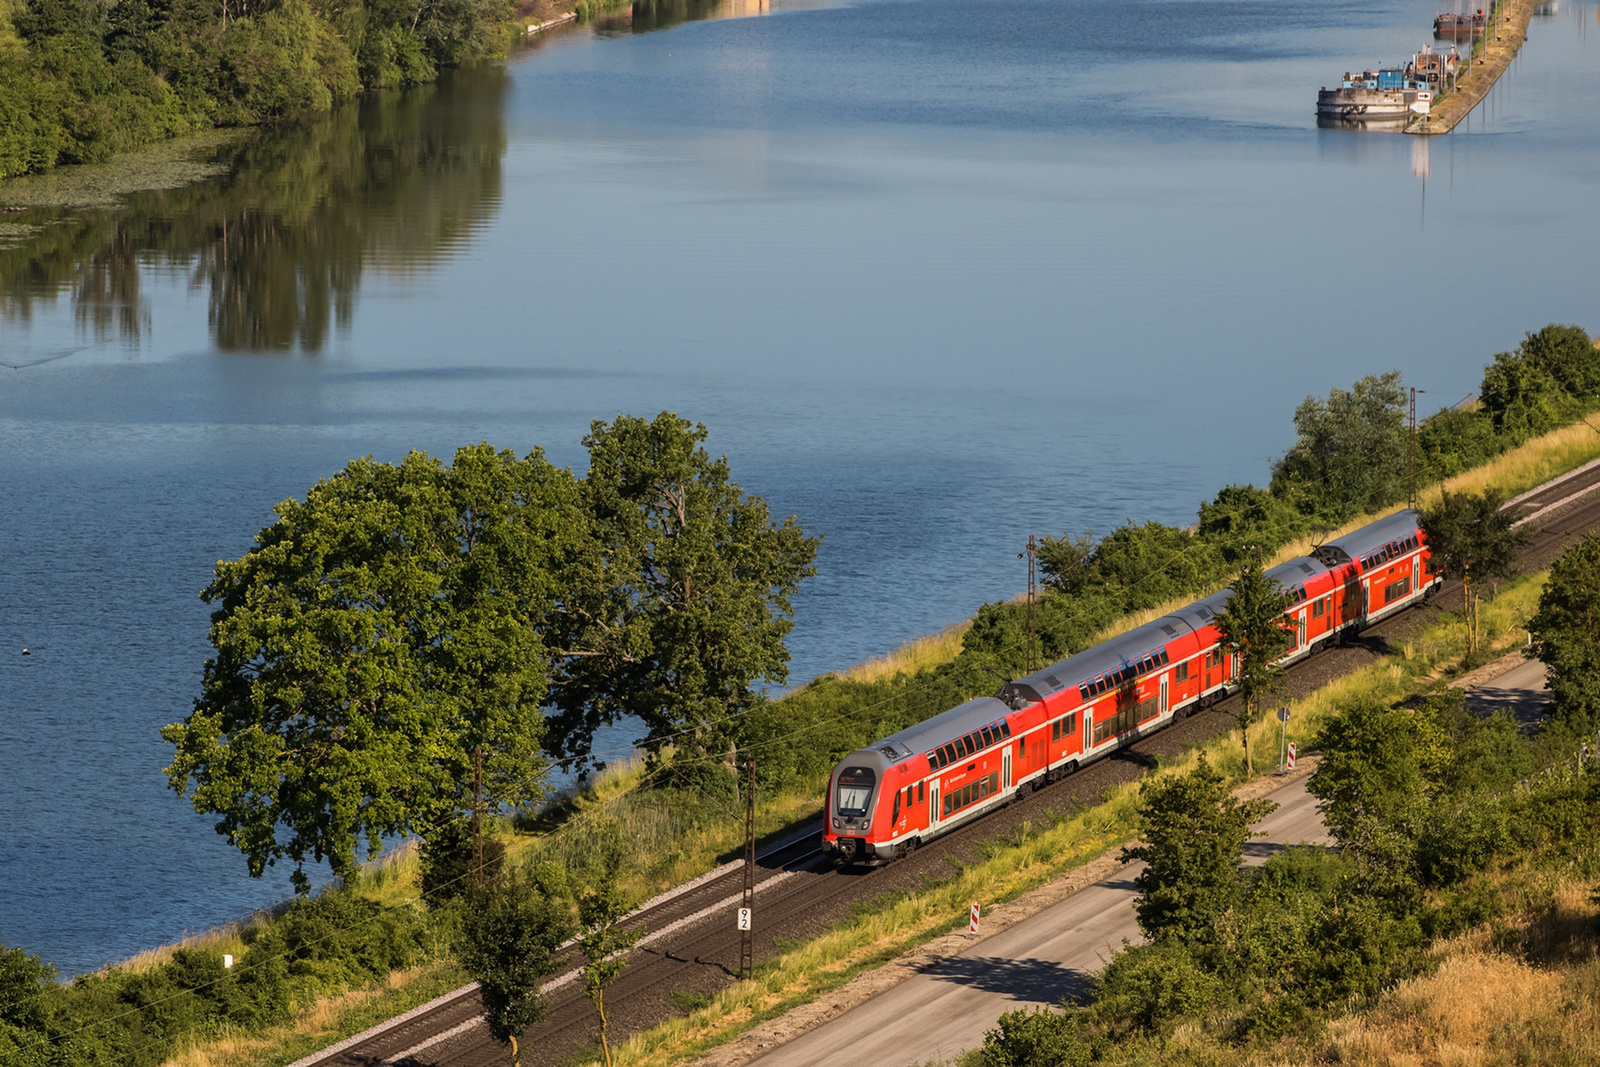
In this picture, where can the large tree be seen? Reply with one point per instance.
(1566, 633)
(1470, 537)
(381, 630)
(1253, 628)
(1351, 453)
(687, 604)
(1193, 833)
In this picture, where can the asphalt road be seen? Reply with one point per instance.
(1521, 690)
(945, 1010)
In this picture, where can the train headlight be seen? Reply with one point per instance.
(837, 823)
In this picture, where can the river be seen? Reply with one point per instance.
(936, 276)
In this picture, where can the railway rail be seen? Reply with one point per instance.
(695, 948)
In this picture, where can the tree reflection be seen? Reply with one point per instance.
(395, 183)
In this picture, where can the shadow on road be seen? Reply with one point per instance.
(1026, 980)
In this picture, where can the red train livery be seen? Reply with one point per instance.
(912, 786)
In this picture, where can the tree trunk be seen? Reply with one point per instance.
(516, 1057)
(1244, 732)
(1467, 613)
(600, 1006)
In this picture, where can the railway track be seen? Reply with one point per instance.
(694, 948)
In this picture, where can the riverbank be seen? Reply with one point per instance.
(1499, 50)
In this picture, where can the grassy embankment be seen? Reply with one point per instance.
(1017, 863)
(684, 848)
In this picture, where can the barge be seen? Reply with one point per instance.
(1375, 99)
(1456, 26)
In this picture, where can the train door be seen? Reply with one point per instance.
(933, 803)
(1163, 694)
(1302, 640)
(1088, 726)
(1416, 574)
(1005, 769)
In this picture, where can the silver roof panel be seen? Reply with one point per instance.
(945, 726)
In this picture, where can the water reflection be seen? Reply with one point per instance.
(280, 244)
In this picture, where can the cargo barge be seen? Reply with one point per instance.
(1386, 98)
(1457, 26)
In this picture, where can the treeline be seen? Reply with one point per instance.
(1445, 820)
(82, 80)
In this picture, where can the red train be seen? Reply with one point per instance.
(888, 798)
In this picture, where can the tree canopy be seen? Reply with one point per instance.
(379, 631)
(1351, 453)
(1566, 633)
(1193, 833)
(403, 616)
(685, 604)
(1470, 537)
(1253, 628)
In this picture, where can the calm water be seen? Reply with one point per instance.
(936, 275)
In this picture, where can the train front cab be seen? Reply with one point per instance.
(854, 792)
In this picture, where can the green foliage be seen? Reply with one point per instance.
(1551, 374)
(1470, 538)
(80, 82)
(1038, 1038)
(1566, 633)
(1193, 834)
(1245, 522)
(601, 908)
(1351, 453)
(318, 946)
(1064, 561)
(380, 630)
(690, 607)
(1252, 628)
(509, 936)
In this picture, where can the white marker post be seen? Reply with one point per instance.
(972, 923)
(744, 919)
(1283, 733)
(1291, 755)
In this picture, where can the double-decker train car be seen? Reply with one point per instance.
(912, 786)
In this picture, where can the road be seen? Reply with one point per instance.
(1521, 691)
(945, 1010)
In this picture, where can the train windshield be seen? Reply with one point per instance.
(855, 791)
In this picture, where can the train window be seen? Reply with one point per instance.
(966, 795)
(1069, 726)
(988, 737)
(983, 787)
(1182, 673)
(894, 815)
(948, 752)
(1055, 730)
(922, 792)
(1005, 729)
(1022, 747)
(948, 801)
(1165, 657)
(994, 781)
(855, 791)
(971, 745)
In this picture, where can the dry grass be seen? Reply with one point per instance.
(1532, 464)
(1484, 1006)
(921, 654)
(325, 1016)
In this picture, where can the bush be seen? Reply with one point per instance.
(1038, 1038)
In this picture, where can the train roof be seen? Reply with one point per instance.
(1374, 535)
(945, 726)
(1129, 648)
(1297, 571)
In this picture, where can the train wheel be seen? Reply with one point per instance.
(1072, 768)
